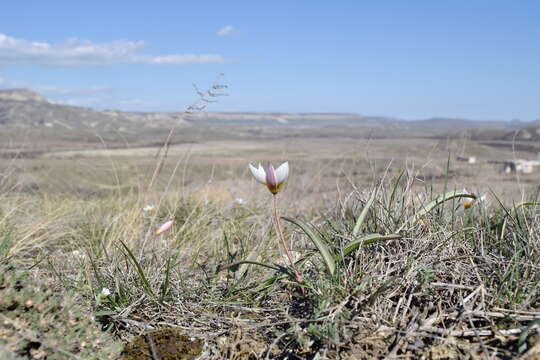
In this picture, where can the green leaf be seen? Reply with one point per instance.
(140, 270)
(394, 189)
(273, 267)
(318, 242)
(363, 214)
(366, 240)
(166, 282)
(382, 289)
(271, 280)
(526, 203)
(440, 200)
(242, 269)
(522, 341)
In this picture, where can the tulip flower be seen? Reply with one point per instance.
(272, 178)
(467, 203)
(166, 226)
(470, 202)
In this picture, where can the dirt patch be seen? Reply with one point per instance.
(165, 344)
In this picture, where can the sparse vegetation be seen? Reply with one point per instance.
(389, 270)
(394, 258)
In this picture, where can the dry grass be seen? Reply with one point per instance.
(458, 283)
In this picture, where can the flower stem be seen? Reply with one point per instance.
(299, 277)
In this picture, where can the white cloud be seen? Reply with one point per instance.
(226, 30)
(53, 90)
(97, 97)
(62, 91)
(75, 52)
(87, 102)
(103, 102)
(185, 59)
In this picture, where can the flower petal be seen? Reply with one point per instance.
(105, 292)
(166, 226)
(271, 179)
(259, 174)
(282, 172)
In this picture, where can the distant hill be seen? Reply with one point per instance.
(531, 132)
(449, 124)
(21, 95)
(285, 119)
(23, 108)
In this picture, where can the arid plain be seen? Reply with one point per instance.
(415, 239)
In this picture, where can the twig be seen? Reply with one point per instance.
(133, 322)
(411, 328)
(451, 286)
(274, 343)
(153, 352)
(500, 315)
(523, 312)
(465, 333)
(478, 338)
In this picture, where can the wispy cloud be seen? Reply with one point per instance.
(226, 30)
(53, 90)
(104, 100)
(59, 91)
(82, 101)
(93, 96)
(99, 102)
(76, 52)
(184, 59)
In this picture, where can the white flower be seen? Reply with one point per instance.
(272, 178)
(77, 254)
(480, 200)
(105, 292)
(240, 201)
(469, 202)
(148, 208)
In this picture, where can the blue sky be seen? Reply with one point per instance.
(409, 59)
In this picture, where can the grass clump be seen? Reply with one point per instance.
(411, 279)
